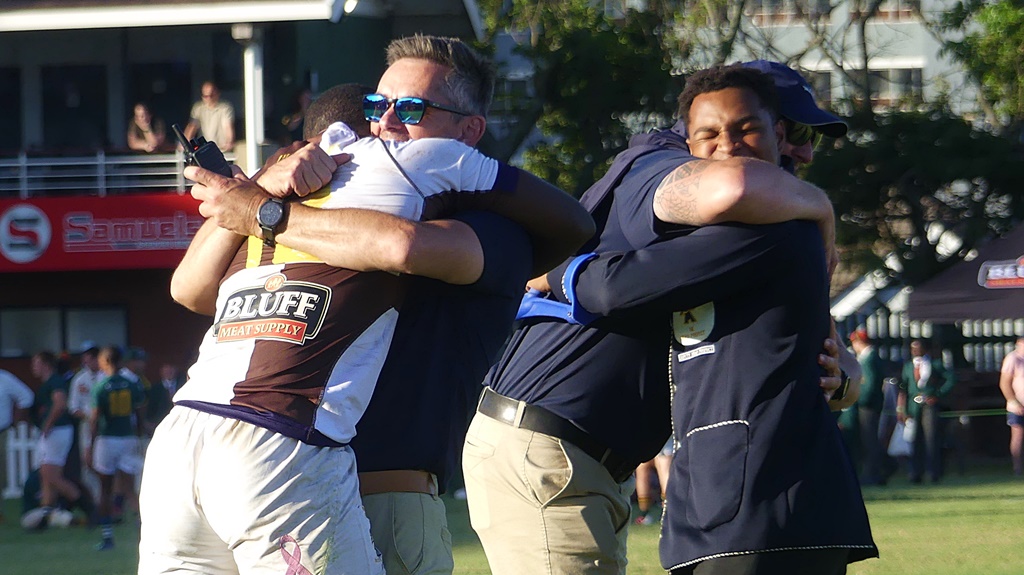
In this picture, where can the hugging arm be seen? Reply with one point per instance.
(357, 239)
(745, 190)
(680, 272)
(555, 221)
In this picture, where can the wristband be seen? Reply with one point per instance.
(578, 312)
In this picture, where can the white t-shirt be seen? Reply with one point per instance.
(80, 396)
(431, 166)
(13, 393)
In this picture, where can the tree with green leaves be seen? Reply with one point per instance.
(989, 47)
(923, 186)
(598, 78)
(601, 75)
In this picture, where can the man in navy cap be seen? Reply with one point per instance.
(804, 121)
(554, 440)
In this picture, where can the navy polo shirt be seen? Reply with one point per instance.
(760, 464)
(611, 378)
(446, 338)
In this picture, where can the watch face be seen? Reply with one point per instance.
(271, 213)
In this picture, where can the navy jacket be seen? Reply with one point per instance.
(759, 464)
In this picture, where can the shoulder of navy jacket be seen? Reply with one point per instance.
(569, 278)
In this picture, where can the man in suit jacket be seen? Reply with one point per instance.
(925, 382)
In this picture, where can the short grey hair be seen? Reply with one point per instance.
(470, 81)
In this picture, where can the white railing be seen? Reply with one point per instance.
(27, 176)
(21, 447)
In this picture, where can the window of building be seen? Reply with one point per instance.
(10, 111)
(765, 12)
(898, 10)
(896, 87)
(893, 11)
(508, 95)
(27, 331)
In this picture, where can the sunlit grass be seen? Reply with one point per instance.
(968, 525)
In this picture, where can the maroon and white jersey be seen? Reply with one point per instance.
(297, 345)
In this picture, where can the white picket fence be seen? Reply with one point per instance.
(21, 447)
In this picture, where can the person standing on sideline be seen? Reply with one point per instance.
(869, 408)
(80, 396)
(212, 118)
(925, 383)
(1011, 383)
(56, 435)
(115, 428)
(170, 379)
(15, 401)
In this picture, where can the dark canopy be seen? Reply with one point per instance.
(991, 286)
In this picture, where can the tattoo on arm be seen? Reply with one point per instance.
(676, 196)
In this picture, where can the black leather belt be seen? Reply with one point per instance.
(540, 420)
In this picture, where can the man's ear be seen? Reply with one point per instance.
(473, 128)
(780, 133)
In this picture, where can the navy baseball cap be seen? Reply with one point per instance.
(796, 99)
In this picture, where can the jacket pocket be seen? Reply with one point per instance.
(717, 460)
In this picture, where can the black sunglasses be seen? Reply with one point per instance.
(798, 134)
(409, 110)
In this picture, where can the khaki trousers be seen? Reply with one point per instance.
(542, 506)
(411, 533)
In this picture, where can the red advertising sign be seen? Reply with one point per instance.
(90, 233)
(1002, 274)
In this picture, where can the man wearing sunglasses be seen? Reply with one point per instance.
(805, 123)
(443, 341)
(556, 436)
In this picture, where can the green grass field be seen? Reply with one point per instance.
(969, 525)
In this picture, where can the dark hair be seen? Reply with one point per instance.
(341, 103)
(469, 83)
(734, 76)
(47, 358)
(112, 353)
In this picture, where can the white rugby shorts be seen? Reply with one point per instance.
(53, 449)
(223, 496)
(111, 454)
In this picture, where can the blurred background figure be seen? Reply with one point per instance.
(15, 401)
(212, 118)
(649, 474)
(80, 406)
(146, 133)
(925, 383)
(1011, 383)
(114, 427)
(50, 414)
(294, 121)
(160, 400)
(133, 368)
(869, 408)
